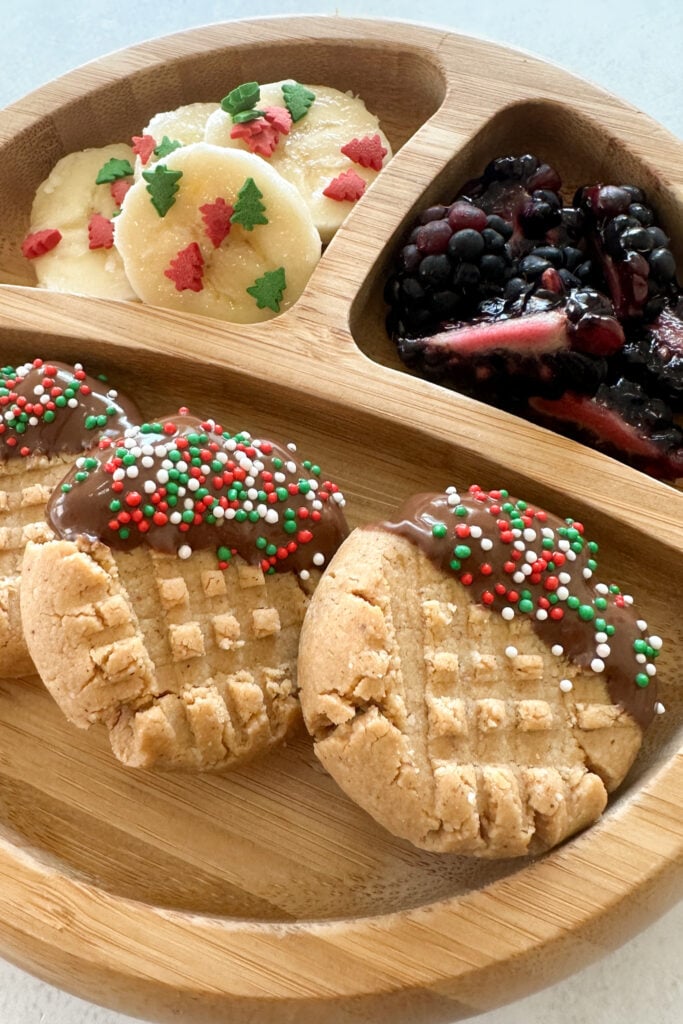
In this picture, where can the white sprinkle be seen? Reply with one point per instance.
(566, 685)
(529, 534)
(271, 516)
(147, 461)
(249, 482)
(318, 558)
(598, 665)
(166, 464)
(39, 390)
(160, 452)
(602, 588)
(659, 708)
(587, 573)
(511, 652)
(508, 613)
(181, 466)
(184, 551)
(564, 577)
(655, 642)
(304, 574)
(527, 570)
(628, 599)
(651, 669)
(193, 484)
(252, 493)
(279, 478)
(603, 650)
(557, 650)
(518, 577)
(520, 545)
(451, 489)
(642, 625)
(118, 474)
(476, 532)
(291, 446)
(73, 403)
(313, 484)
(453, 499)
(162, 476)
(248, 506)
(601, 638)
(45, 399)
(486, 544)
(571, 556)
(188, 503)
(230, 513)
(563, 545)
(317, 504)
(547, 532)
(80, 462)
(290, 467)
(531, 556)
(641, 659)
(175, 517)
(218, 511)
(562, 593)
(149, 487)
(516, 532)
(541, 614)
(112, 394)
(339, 498)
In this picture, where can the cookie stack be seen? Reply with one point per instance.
(463, 672)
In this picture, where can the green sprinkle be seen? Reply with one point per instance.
(439, 530)
(271, 549)
(601, 603)
(240, 515)
(640, 646)
(224, 554)
(188, 515)
(460, 510)
(166, 146)
(247, 115)
(586, 613)
(610, 630)
(249, 210)
(113, 170)
(642, 679)
(115, 505)
(298, 99)
(269, 289)
(261, 543)
(243, 97)
(162, 186)
(573, 602)
(90, 422)
(289, 526)
(66, 488)
(463, 551)
(525, 605)
(455, 564)
(124, 533)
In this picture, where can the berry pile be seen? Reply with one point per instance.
(570, 315)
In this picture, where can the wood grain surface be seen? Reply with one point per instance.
(266, 894)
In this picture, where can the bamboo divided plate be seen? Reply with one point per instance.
(265, 894)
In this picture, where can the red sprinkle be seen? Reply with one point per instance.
(368, 151)
(216, 217)
(187, 269)
(144, 146)
(100, 232)
(346, 187)
(119, 189)
(40, 242)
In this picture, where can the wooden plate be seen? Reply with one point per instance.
(266, 894)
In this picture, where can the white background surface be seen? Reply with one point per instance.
(631, 48)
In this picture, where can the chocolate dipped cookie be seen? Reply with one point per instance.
(469, 682)
(169, 606)
(50, 413)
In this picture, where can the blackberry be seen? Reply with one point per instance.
(630, 250)
(522, 192)
(451, 262)
(622, 420)
(654, 354)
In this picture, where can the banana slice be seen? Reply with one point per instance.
(66, 202)
(310, 155)
(217, 232)
(184, 125)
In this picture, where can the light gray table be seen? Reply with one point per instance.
(631, 48)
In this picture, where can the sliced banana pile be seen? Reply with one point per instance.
(218, 209)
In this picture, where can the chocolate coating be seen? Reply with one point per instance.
(183, 483)
(49, 408)
(484, 522)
